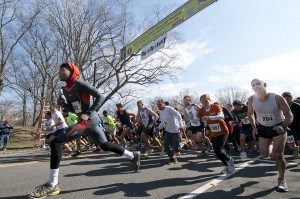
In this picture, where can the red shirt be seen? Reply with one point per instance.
(217, 127)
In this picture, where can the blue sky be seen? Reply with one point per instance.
(233, 41)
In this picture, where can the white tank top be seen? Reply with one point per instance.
(192, 113)
(268, 113)
(145, 118)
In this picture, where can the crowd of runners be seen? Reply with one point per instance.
(263, 124)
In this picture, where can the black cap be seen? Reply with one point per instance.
(237, 102)
(105, 112)
(286, 94)
(65, 65)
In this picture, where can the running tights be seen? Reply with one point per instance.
(218, 144)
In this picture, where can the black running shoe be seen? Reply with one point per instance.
(77, 153)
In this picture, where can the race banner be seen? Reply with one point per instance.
(153, 47)
(180, 15)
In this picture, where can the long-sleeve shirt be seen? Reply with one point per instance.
(170, 119)
(79, 98)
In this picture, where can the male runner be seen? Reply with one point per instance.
(148, 119)
(78, 94)
(293, 138)
(273, 117)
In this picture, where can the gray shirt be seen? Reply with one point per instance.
(268, 113)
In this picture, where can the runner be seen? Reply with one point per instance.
(293, 137)
(273, 118)
(148, 119)
(171, 121)
(60, 125)
(195, 129)
(241, 111)
(124, 116)
(213, 116)
(78, 94)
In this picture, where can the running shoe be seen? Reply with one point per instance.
(230, 165)
(136, 161)
(148, 152)
(77, 153)
(172, 161)
(43, 191)
(225, 170)
(282, 186)
(243, 155)
(96, 150)
(162, 152)
(202, 154)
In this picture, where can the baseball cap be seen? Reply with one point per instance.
(286, 94)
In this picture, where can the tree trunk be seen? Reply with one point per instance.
(24, 123)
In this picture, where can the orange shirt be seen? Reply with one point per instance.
(217, 127)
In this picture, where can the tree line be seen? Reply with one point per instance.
(36, 37)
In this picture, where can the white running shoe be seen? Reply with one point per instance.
(230, 164)
(282, 186)
(243, 155)
(225, 170)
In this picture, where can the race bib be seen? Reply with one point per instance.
(245, 120)
(290, 139)
(215, 127)
(77, 107)
(268, 118)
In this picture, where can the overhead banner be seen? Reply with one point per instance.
(181, 14)
(153, 47)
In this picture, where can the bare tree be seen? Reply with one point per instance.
(229, 94)
(13, 25)
(5, 106)
(93, 32)
(88, 33)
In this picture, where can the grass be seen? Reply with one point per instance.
(19, 145)
(22, 138)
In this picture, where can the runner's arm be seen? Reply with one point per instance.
(282, 104)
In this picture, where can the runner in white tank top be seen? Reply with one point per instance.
(195, 129)
(273, 117)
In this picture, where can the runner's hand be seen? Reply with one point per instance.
(83, 118)
(279, 129)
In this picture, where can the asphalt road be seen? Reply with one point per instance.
(105, 175)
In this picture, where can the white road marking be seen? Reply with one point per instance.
(215, 182)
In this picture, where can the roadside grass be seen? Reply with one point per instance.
(19, 145)
(22, 138)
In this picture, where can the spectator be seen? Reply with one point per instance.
(4, 133)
